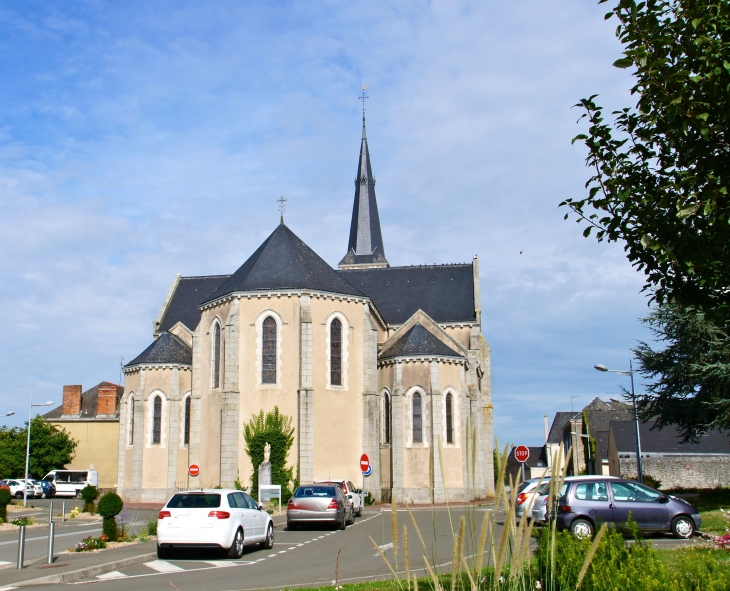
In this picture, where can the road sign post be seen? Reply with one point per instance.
(193, 470)
(366, 470)
(522, 454)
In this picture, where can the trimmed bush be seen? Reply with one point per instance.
(89, 494)
(5, 499)
(110, 505)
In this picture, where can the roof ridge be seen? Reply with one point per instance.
(204, 276)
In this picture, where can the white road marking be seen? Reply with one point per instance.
(115, 574)
(292, 548)
(7, 588)
(163, 566)
(2, 562)
(219, 563)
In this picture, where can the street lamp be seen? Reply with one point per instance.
(27, 447)
(630, 373)
(588, 437)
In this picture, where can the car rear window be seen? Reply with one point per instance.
(315, 491)
(194, 500)
(545, 489)
(591, 491)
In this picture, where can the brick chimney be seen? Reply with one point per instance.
(106, 400)
(71, 401)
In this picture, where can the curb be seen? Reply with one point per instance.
(83, 573)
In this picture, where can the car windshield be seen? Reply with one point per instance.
(315, 491)
(194, 500)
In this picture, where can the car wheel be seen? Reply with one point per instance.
(581, 528)
(269, 541)
(352, 517)
(342, 524)
(236, 549)
(359, 512)
(163, 553)
(683, 527)
(18, 495)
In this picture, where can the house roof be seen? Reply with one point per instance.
(667, 440)
(444, 292)
(537, 459)
(556, 430)
(88, 403)
(282, 262)
(418, 341)
(602, 444)
(600, 420)
(184, 304)
(167, 349)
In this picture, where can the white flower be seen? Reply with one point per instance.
(538, 585)
(501, 579)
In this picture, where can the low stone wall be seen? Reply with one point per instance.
(682, 471)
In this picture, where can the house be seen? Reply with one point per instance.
(666, 458)
(92, 419)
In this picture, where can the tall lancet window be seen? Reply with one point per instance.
(449, 418)
(417, 419)
(186, 436)
(336, 352)
(217, 356)
(156, 419)
(386, 417)
(268, 352)
(131, 420)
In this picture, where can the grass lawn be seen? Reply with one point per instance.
(709, 503)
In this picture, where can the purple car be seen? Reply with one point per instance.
(588, 503)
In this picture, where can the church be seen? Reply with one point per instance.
(365, 358)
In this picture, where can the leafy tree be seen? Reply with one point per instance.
(51, 448)
(689, 377)
(89, 494)
(110, 505)
(275, 429)
(661, 169)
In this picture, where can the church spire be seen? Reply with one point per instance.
(365, 248)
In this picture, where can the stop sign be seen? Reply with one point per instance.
(364, 462)
(193, 469)
(522, 453)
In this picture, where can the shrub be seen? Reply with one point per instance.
(275, 429)
(649, 480)
(369, 499)
(89, 494)
(22, 521)
(110, 505)
(152, 527)
(5, 499)
(90, 543)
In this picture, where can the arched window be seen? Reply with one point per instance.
(217, 356)
(131, 420)
(386, 417)
(156, 419)
(336, 352)
(186, 435)
(417, 419)
(449, 418)
(268, 352)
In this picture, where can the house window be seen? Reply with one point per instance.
(336, 352)
(156, 419)
(449, 418)
(386, 417)
(131, 421)
(417, 419)
(268, 352)
(186, 436)
(216, 355)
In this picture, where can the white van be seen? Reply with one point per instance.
(69, 483)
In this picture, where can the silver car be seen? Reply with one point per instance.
(540, 505)
(526, 495)
(319, 503)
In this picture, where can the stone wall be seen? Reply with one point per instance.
(682, 471)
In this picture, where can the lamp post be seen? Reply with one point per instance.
(27, 447)
(588, 437)
(630, 373)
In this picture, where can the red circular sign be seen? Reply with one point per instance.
(193, 470)
(522, 453)
(364, 462)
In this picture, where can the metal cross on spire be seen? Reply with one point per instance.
(362, 98)
(282, 207)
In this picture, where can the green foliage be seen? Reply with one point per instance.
(589, 443)
(688, 374)
(110, 529)
(110, 505)
(275, 429)
(89, 494)
(649, 480)
(661, 170)
(5, 499)
(51, 448)
(90, 543)
(22, 521)
(151, 527)
(369, 499)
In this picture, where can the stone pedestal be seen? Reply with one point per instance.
(264, 473)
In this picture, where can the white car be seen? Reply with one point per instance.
(224, 519)
(526, 495)
(349, 489)
(17, 488)
(540, 505)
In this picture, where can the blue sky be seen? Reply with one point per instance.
(140, 139)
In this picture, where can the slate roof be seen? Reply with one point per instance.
(556, 430)
(185, 302)
(88, 403)
(668, 440)
(416, 342)
(366, 241)
(284, 261)
(166, 349)
(444, 292)
(602, 444)
(537, 459)
(600, 420)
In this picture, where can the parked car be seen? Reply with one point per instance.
(585, 503)
(224, 519)
(69, 483)
(350, 491)
(526, 495)
(323, 503)
(540, 504)
(4, 485)
(17, 488)
(49, 490)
